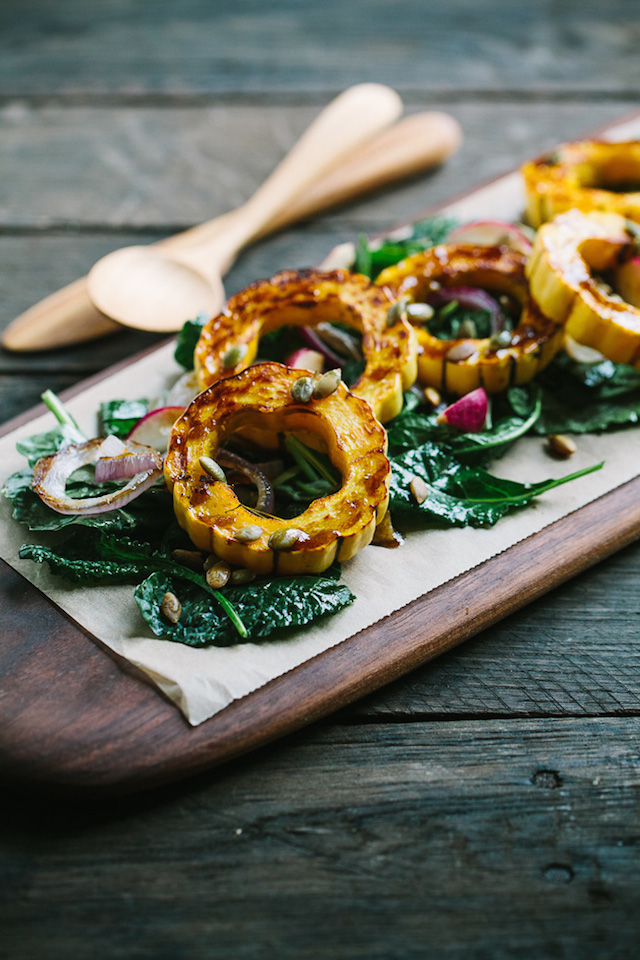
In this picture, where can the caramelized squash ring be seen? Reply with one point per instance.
(567, 255)
(332, 527)
(306, 298)
(442, 363)
(587, 175)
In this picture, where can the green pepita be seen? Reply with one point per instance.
(419, 312)
(285, 538)
(327, 384)
(211, 467)
(249, 533)
(171, 608)
(234, 355)
(241, 575)
(499, 340)
(302, 390)
(218, 574)
(398, 310)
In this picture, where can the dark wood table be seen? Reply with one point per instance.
(487, 805)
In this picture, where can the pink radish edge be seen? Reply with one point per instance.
(469, 413)
(154, 428)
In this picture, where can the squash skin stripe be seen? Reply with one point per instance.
(335, 526)
(568, 252)
(306, 298)
(535, 340)
(571, 178)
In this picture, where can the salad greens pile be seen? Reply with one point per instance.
(142, 543)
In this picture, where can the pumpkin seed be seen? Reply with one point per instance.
(285, 538)
(500, 339)
(233, 356)
(419, 490)
(432, 396)
(561, 446)
(468, 329)
(171, 608)
(249, 533)
(420, 312)
(460, 351)
(302, 390)
(242, 575)
(210, 466)
(189, 558)
(327, 384)
(218, 574)
(397, 311)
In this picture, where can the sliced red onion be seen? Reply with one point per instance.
(473, 298)
(252, 471)
(124, 465)
(50, 476)
(316, 342)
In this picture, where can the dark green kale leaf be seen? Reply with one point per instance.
(587, 398)
(187, 339)
(374, 256)
(48, 443)
(459, 494)
(118, 417)
(515, 417)
(264, 607)
(29, 509)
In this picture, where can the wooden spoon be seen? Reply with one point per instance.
(415, 143)
(153, 289)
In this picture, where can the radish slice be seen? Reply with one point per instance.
(155, 427)
(469, 413)
(306, 359)
(50, 476)
(492, 233)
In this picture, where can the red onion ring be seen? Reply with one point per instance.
(50, 476)
(314, 340)
(474, 299)
(266, 496)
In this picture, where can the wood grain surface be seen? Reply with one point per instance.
(484, 806)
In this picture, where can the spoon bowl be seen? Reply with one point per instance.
(152, 293)
(174, 291)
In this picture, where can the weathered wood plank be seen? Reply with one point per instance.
(165, 169)
(492, 839)
(573, 652)
(291, 46)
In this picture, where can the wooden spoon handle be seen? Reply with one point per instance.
(346, 123)
(414, 144)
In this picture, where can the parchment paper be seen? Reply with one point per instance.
(202, 682)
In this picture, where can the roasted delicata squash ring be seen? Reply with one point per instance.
(587, 175)
(230, 341)
(570, 257)
(332, 527)
(459, 366)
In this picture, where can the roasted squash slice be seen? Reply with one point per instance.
(587, 175)
(460, 366)
(332, 527)
(230, 341)
(572, 273)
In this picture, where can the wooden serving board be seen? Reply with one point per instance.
(73, 719)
